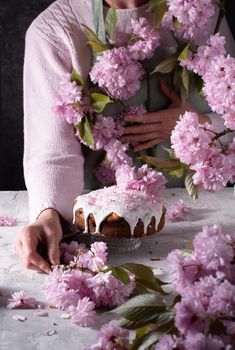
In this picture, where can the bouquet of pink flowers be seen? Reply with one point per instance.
(199, 151)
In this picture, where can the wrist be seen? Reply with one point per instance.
(48, 213)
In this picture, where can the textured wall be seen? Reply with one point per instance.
(15, 17)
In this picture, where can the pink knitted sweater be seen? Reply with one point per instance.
(53, 162)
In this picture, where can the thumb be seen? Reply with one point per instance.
(171, 94)
(53, 249)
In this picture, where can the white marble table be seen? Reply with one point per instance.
(211, 208)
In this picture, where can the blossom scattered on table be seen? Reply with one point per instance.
(50, 332)
(83, 314)
(111, 337)
(177, 211)
(84, 282)
(20, 318)
(41, 313)
(19, 300)
(7, 221)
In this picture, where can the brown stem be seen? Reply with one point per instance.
(220, 16)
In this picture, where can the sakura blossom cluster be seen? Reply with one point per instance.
(118, 70)
(205, 280)
(198, 146)
(190, 20)
(217, 71)
(70, 104)
(176, 211)
(85, 282)
(143, 179)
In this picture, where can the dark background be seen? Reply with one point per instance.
(15, 17)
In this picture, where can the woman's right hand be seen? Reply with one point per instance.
(44, 233)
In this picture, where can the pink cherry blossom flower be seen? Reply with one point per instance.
(177, 211)
(189, 316)
(190, 140)
(194, 18)
(229, 120)
(196, 341)
(211, 248)
(219, 87)
(166, 342)
(147, 40)
(117, 73)
(95, 258)
(116, 154)
(70, 103)
(105, 174)
(108, 291)
(83, 314)
(19, 300)
(183, 271)
(143, 179)
(200, 61)
(136, 110)
(222, 302)
(105, 129)
(111, 337)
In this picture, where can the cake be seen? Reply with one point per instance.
(118, 212)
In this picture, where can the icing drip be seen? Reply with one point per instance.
(132, 205)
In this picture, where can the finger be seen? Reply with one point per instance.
(140, 137)
(29, 245)
(147, 118)
(24, 261)
(147, 145)
(172, 94)
(141, 129)
(54, 252)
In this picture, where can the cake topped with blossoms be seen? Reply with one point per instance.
(133, 207)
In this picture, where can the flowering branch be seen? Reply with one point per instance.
(221, 15)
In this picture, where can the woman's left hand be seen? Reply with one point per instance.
(156, 127)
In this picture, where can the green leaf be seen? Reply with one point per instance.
(184, 53)
(147, 340)
(98, 19)
(170, 152)
(185, 79)
(191, 188)
(199, 84)
(144, 276)
(96, 44)
(176, 22)
(167, 65)
(111, 21)
(85, 131)
(120, 274)
(144, 305)
(159, 13)
(76, 77)
(99, 101)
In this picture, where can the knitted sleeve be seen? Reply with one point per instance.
(53, 162)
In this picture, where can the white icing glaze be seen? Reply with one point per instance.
(132, 205)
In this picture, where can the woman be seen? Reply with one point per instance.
(53, 161)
